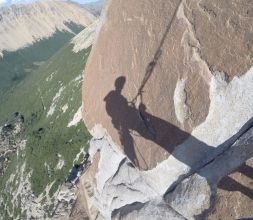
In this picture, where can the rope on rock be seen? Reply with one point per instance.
(151, 66)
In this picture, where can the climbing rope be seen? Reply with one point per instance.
(152, 64)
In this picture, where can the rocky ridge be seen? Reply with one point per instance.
(85, 38)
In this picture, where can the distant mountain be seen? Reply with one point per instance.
(95, 7)
(31, 33)
(24, 24)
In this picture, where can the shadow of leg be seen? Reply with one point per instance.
(127, 141)
(229, 184)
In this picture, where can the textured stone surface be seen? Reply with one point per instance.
(191, 197)
(195, 195)
(112, 181)
(234, 195)
(155, 210)
(112, 188)
(181, 45)
(120, 191)
(167, 94)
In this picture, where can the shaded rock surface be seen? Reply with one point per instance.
(157, 210)
(234, 195)
(194, 195)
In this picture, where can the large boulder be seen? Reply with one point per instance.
(179, 56)
(167, 95)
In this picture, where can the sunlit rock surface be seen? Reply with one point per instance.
(191, 53)
(167, 95)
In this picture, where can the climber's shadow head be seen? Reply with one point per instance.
(119, 83)
(126, 118)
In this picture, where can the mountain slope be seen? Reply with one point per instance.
(21, 25)
(54, 137)
(31, 33)
(95, 7)
(17, 65)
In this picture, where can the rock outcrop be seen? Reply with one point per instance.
(10, 139)
(181, 56)
(194, 195)
(85, 38)
(21, 25)
(168, 99)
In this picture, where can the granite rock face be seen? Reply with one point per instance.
(112, 188)
(120, 191)
(167, 97)
(194, 195)
(170, 51)
(155, 209)
(234, 195)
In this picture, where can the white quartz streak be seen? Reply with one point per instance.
(76, 119)
(181, 109)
